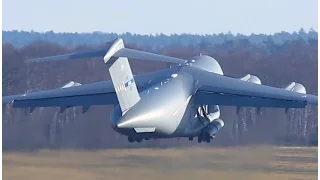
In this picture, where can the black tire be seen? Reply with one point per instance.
(199, 139)
(131, 139)
(207, 137)
(190, 138)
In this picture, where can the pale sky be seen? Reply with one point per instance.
(162, 16)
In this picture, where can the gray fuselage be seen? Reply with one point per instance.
(166, 108)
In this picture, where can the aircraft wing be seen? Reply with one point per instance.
(100, 93)
(222, 90)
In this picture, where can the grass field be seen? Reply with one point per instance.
(192, 163)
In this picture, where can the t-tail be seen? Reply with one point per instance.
(122, 77)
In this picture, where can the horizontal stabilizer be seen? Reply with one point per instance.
(117, 50)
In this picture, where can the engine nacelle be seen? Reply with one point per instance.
(206, 63)
(214, 127)
(296, 87)
(251, 78)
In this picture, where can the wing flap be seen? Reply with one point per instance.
(205, 97)
(68, 101)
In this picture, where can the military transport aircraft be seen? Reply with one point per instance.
(181, 101)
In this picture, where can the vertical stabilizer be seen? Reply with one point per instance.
(124, 84)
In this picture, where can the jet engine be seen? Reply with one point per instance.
(206, 63)
(251, 78)
(214, 127)
(296, 87)
(210, 130)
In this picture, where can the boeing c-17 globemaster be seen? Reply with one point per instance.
(181, 101)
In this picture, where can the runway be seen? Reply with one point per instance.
(263, 162)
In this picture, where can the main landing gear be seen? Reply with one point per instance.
(204, 137)
(133, 139)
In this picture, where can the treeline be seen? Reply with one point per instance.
(275, 64)
(156, 42)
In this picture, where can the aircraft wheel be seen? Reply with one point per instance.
(199, 139)
(207, 137)
(139, 140)
(208, 140)
(131, 139)
(190, 138)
